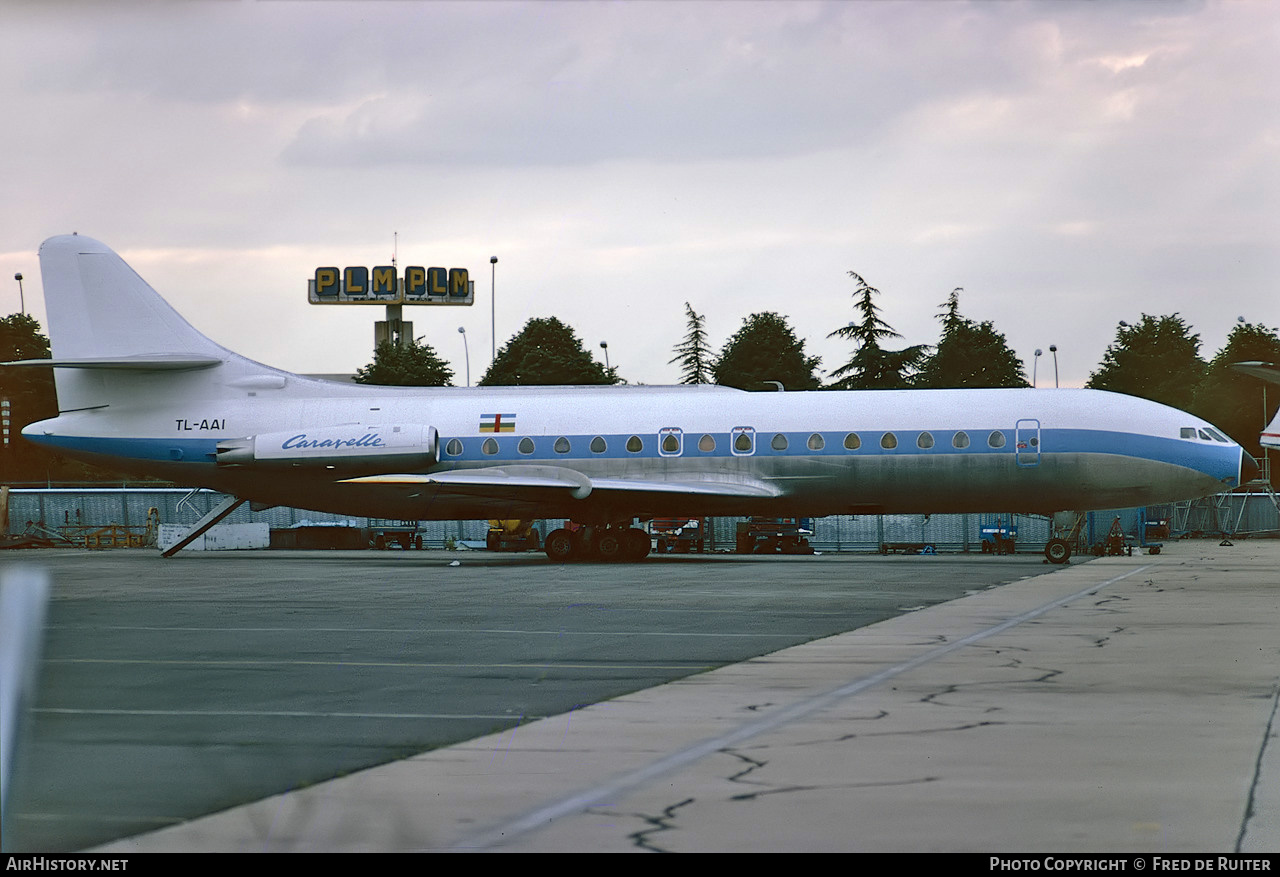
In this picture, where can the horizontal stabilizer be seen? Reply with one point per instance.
(1267, 371)
(512, 478)
(139, 362)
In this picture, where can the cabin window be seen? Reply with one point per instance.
(598, 445)
(670, 442)
(744, 440)
(562, 445)
(454, 448)
(996, 439)
(779, 442)
(525, 446)
(635, 445)
(706, 444)
(960, 440)
(852, 442)
(816, 442)
(924, 441)
(490, 446)
(888, 441)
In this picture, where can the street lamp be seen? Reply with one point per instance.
(21, 298)
(1053, 348)
(493, 308)
(1035, 367)
(466, 352)
(605, 346)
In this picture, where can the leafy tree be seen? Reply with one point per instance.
(546, 352)
(693, 354)
(405, 365)
(765, 349)
(1158, 359)
(1233, 401)
(872, 367)
(969, 354)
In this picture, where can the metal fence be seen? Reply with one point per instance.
(1233, 514)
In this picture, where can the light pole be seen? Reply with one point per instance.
(22, 299)
(1053, 348)
(1035, 367)
(605, 346)
(466, 352)
(493, 308)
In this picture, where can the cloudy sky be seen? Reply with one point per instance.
(1069, 165)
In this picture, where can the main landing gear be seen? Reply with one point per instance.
(598, 543)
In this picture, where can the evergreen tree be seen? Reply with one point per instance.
(1158, 359)
(546, 352)
(1233, 401)
(969, 354)
(693, 354)
(765, 349)
(405, 365)
(872, 367)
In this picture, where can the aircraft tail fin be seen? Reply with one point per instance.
(104, 319)
(99, 307)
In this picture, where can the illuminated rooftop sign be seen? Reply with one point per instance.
(384, 286)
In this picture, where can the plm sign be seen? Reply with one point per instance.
(384, 286)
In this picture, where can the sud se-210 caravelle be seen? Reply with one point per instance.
(140, 390)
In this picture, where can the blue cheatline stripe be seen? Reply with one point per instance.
(164, 449)
(1214, 458)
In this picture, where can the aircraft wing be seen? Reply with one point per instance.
(514, 481)
(1267, 371)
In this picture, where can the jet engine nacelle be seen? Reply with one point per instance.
(350, 448)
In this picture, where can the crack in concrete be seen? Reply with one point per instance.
(750, 796)
(643, 839)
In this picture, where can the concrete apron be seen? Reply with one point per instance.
(1122, 705)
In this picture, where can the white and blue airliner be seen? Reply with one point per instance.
(140, 390)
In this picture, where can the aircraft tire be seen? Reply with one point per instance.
(1057, 551)
(636, 545)
(609, 545)
(561, 545)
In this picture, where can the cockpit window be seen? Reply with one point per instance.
(1217, 436)
(1187, 432)
(1204, 435)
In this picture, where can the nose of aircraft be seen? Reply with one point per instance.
(1248, 468)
